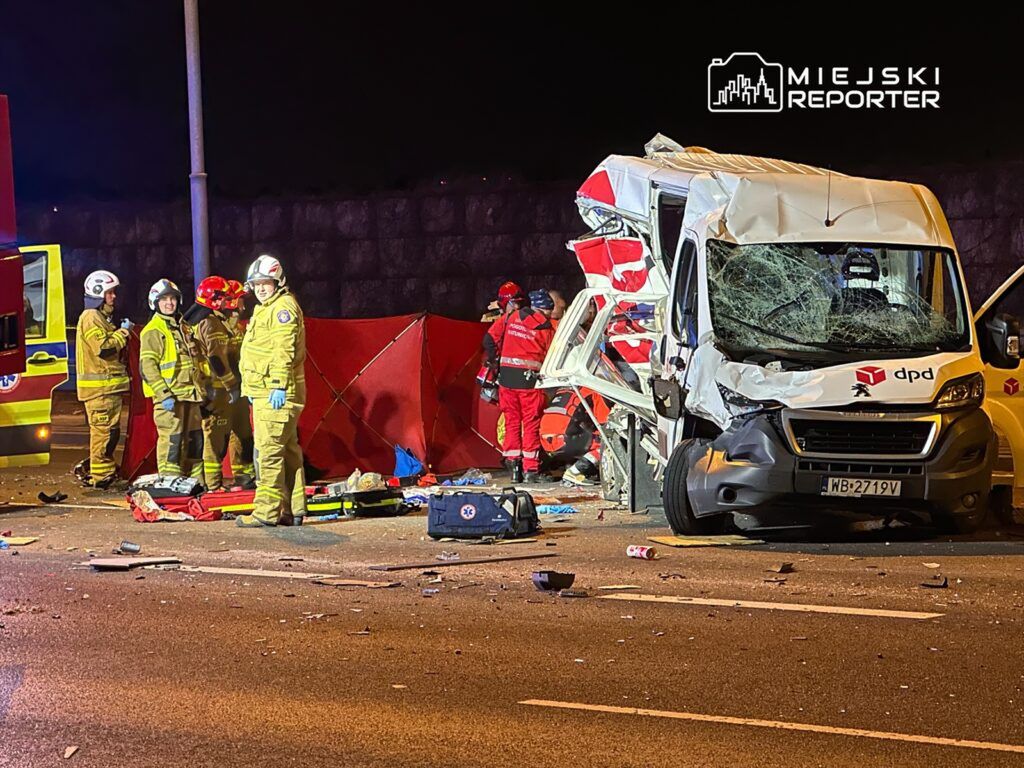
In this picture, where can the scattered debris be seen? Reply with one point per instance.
(68, 751)
(600, 515)
(775, 580)
(938, 581)
(931, 565)
(666, 576)
(291, 559)
(556, 509)
(782, 568)
(573, 593)
(619, 587)
(55, 498)
(17, 541)
(430, 592)
(338, 581)
(363, 632)
(467, 561)
(399, 687)
(640, 552)
(548, 581)
(127, 548)
(731, 540)
(448, 556)
(127, 563)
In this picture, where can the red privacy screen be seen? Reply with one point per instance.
(371, 384)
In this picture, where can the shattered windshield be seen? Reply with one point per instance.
(840, 297)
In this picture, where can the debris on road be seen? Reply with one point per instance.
(69, 752)
(362, 632)
(931, 565)
(291, 559)
(448, 556)
(556, 509)
(573, 593)
(619, 587)
(55, 498)
(666, 576)
(782, 568)
(338, 581)
(938, 581)
(640, 552)
(17, 541)
(127, 563)
(127, 548)
(467, 561)
(775, 580)
(549, 581)
(730, 540)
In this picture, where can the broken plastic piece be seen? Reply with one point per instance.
(549, 581)
(55, 498)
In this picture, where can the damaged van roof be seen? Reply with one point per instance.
(757, 199)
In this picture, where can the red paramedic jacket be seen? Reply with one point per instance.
(518, 342)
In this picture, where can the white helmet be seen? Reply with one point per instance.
(99, 282)
(162, 287)
(265, 268)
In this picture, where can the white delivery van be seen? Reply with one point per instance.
(812, 344)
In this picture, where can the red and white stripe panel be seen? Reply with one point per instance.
(619, 264)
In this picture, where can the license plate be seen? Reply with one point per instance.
(853, 487)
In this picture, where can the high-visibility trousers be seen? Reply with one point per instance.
(179, 438)
(240, 444)
(216, 427)
(104, 416)
(522, 409)
(280, 478)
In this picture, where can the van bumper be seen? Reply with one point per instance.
(751, 468)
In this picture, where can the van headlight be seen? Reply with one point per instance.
(962, 393)
(740, 405)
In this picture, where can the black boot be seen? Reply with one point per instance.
(515, 469)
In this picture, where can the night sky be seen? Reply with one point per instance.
(307, 97)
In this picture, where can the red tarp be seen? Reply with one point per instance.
(371, 384)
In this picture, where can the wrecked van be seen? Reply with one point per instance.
(812, 345)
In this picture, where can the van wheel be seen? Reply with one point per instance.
(1000, 501)
(676, 501)
(612, 482)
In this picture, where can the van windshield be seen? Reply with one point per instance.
(840, 297)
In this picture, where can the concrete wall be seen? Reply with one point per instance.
(445, 250)
(370, 257)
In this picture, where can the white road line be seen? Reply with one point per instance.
(798, 607)
(781, 725)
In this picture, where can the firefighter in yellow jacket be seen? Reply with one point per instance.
(240, 445)
(222, 384)
(170, 363)
(101, 373)
(273, 355)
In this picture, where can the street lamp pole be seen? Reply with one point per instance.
(197, 178)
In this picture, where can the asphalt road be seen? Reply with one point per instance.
(175, 668)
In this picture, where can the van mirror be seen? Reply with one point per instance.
(668, 398)
(1003, 341)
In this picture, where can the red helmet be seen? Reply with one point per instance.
(211, 292)
(509, 292)
(235, 293)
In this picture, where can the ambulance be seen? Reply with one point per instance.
(33, 336)
(811, 345)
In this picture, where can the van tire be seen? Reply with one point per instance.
(676, 500)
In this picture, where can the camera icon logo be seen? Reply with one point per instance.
(744, 82)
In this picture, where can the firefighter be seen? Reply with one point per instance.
(101, 373)
(240, 438)
(170, 363)
(510, 299)
(273, 378)
(222, 384)
(527, 335)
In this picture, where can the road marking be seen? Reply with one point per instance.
(798, 607)
(781, 725)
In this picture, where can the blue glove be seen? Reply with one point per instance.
(126, 324)
(168, 404)
(276, 399)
